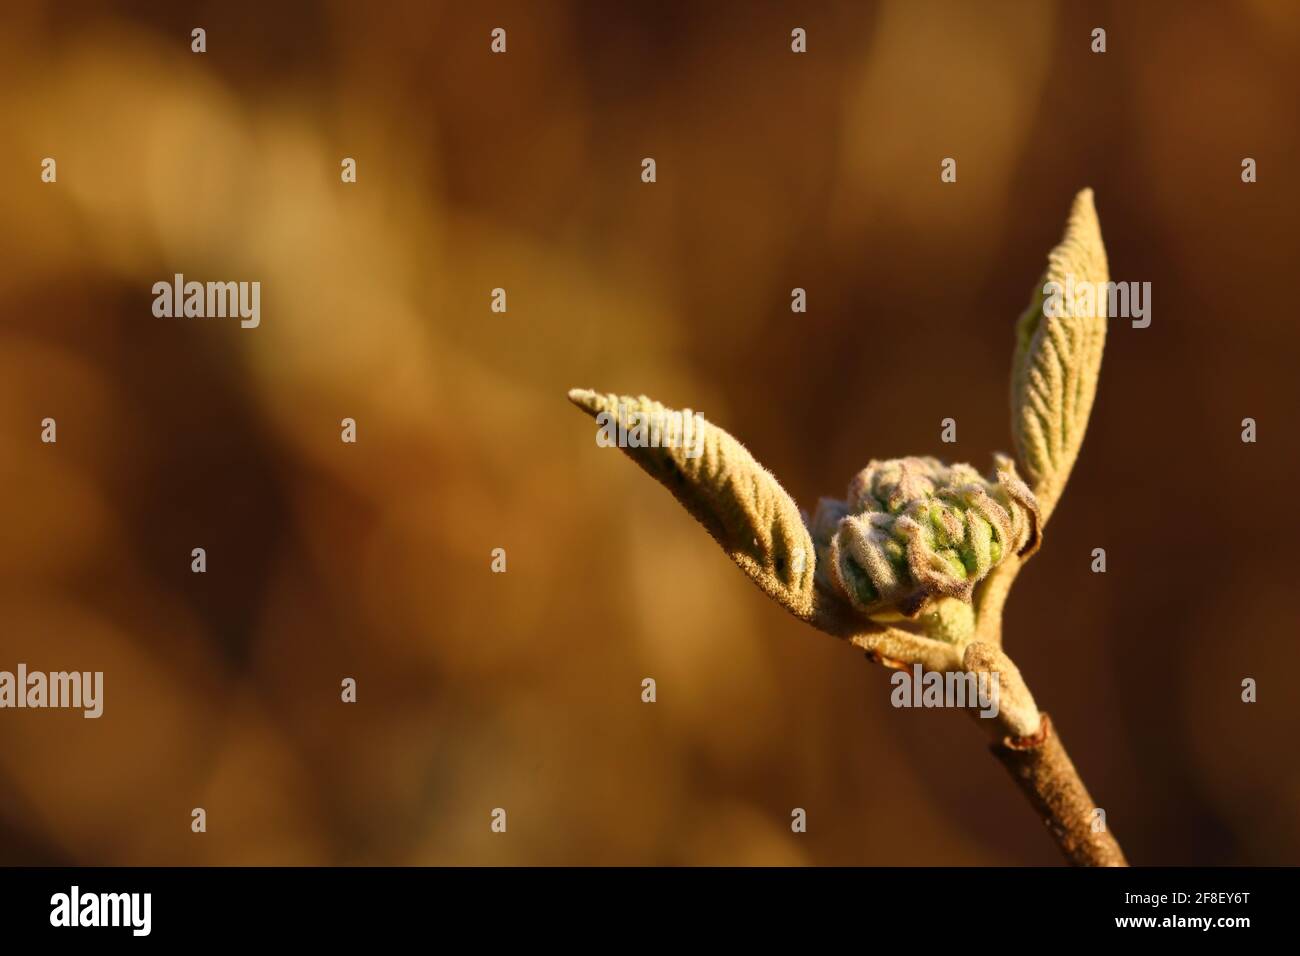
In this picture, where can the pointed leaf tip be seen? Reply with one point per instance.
(584, 398)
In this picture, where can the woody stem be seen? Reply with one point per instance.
(1045, 774)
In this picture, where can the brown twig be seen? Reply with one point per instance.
(1046, 775)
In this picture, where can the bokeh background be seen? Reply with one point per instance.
(522, 690)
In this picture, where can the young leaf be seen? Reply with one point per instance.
(1059, 341)
(738, 501)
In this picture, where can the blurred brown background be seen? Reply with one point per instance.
(522, 690)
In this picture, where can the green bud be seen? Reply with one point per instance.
(913, 530)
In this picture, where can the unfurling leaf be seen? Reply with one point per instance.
(1059, 341)
(913, 532)
(738, 501)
